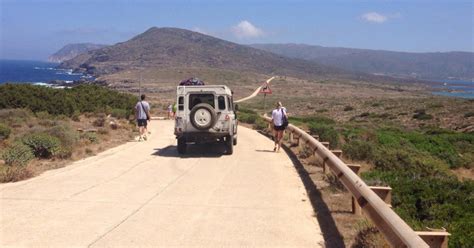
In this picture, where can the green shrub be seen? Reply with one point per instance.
(247, 118)
(64, 152)
(103, 131)
(4, 131)
(43, 115)
(82, 98)
(119, 113)
(43, 145)
(91, 137)
(76, 116)
(358, 150)
(435, 201)
(260, 124)
(65, 134)
(17, 155)
(326, 133)
(376, 104)
(420, 114)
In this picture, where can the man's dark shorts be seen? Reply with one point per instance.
(279, 128)
(142, 122)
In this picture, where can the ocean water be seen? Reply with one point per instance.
(455, 88)
(36, 72)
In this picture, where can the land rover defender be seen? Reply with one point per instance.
(205, 114)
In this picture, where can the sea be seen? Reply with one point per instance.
(43, 73)
(36, 72)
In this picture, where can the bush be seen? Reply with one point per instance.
(433, 201)
(99, 122)
(348, 108)
(468, 114)
(43, 145)
(420, 114)
(91, 137)
(82, 98)
(247, 118)
(260, 124)
(358, 150)
(4, 131)
(65, 134)
(17, 155)
(326, 133)
(119, 113)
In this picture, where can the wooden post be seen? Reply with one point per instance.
(385, 193)
(326, 144)
(338, 153)
(435, 239)
(354, 167)
(324, 164)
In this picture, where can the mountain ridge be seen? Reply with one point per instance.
(431, 65)
(72, 50)
(174, 47)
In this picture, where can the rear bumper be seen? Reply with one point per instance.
(202, 137)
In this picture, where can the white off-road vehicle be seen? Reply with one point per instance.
(205, 114)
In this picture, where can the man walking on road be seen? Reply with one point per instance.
(142, 115)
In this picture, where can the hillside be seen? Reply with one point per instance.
(173, 47)
(448, 65)
(72, 50)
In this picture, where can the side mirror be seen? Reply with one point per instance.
(236, 107)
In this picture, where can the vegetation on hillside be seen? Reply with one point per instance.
(80, 99)
(416, 163)
(40, 127)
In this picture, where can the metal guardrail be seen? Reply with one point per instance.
(395, 230)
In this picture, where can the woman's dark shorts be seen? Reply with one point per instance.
(279, 128)
(142, 122)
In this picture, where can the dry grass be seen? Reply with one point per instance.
(83, 148)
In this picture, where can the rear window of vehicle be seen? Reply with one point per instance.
(195, 99)
(221, 102)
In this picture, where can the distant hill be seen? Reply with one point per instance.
(173, 47)
(72, 50)
(447, 65)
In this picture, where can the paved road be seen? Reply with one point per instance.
(143, 194)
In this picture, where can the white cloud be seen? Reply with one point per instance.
(245, 30)
(374, 17)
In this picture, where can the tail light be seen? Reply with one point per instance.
(227, 117)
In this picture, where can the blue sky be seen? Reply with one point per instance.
(34, 29)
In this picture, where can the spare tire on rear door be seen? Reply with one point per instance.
(203, 116)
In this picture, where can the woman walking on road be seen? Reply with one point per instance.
(280, 121)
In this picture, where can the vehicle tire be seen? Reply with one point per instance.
(203, 116)
(235, 141)
(230, 144)
(182, 145)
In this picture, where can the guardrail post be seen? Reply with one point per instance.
(338, 153)
(324, 164)
(435, 239)
(385, 193)
(354, 167)
(297, 140)
(326, 144)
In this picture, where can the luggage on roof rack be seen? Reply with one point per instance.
(191, 81)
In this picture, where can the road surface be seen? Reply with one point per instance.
(143, 194)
